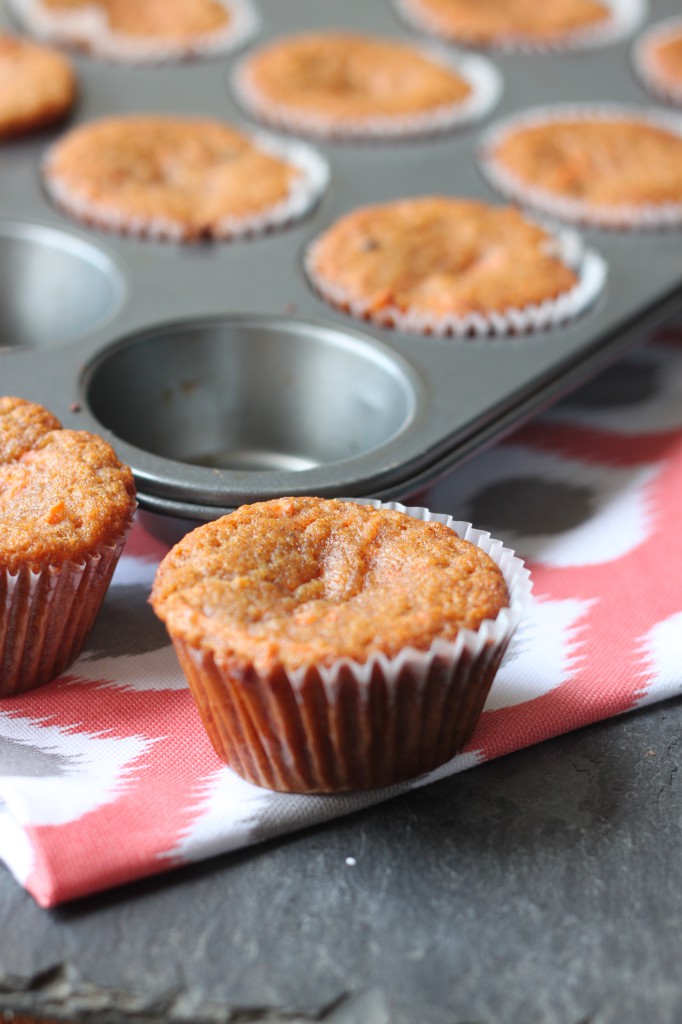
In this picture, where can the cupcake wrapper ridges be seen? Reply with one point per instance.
(621, 217)
(625, 17)
(45, 617)
(305, 192)
(87, 28)
(590, 268)
(353, 726)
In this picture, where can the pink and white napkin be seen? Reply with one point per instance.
(106, 775)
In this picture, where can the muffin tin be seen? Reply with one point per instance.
(216, 371)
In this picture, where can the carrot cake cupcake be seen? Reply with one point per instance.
(37, 87)
(154, 30)
(332, 645)
(611, 166)
(66, 504)
(524, 24)
(436, 264)
(658, 59)
(347, 84)
(180, 178)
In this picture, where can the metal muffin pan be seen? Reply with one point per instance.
(216, 371)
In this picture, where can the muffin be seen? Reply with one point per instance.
(66, 505)
(127, 30)
(176, 178)
(333, 645)
(658, 59)
(437, 264)
(344, 84)
(522, 24)
(609, 166)
(37, 87)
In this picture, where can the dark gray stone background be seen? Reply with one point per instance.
(542, 887)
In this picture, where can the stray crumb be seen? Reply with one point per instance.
(351, 862)
(75, 407)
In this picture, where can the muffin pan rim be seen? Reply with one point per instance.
(463, 412)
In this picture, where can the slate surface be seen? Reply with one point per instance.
(542, 887)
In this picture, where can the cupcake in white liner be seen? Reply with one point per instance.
(66, 506)
(146, 36)
(145, 176)
(607, 165)
(453, 267)
(265, 606)
(657, 58)
(601, 23)
(398, 90)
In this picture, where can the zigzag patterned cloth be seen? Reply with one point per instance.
(106, 775)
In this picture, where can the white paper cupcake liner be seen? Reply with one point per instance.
(644, 62)
(590, 268)
(482, 77)
(620, 217)
(305, 191)
(87, 28)
(354, 725)
(625, 17)
(45, 617)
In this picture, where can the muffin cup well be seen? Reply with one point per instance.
(589, 266)
(482, 77)
(625, 16)
(87, 28)
(45, 617)
(644, 60)
(304, 193)
(624, 216)
(351, 725)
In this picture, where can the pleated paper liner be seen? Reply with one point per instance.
(625, 216)
(356, 726)
(46, 616)
(646, 65)
(482, 77)
(87, 28)
(305, 191)
(590, 268)
(623, 19)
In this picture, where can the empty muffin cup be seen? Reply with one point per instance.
(216, 407)
(54, 287)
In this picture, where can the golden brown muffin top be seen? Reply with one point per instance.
(192, 172)
(37, 86)
(439, 256)
(347, 76)
(489, 22)
(156, 19)
(603, 162)
(664, 57)
(63, 493)
(304, 581)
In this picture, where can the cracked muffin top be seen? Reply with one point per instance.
(305, 581)
(345, 78)
(37, 86)
(439, 256)
(63, 493)
(493, 22)
(148, 173)
(604, 162)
